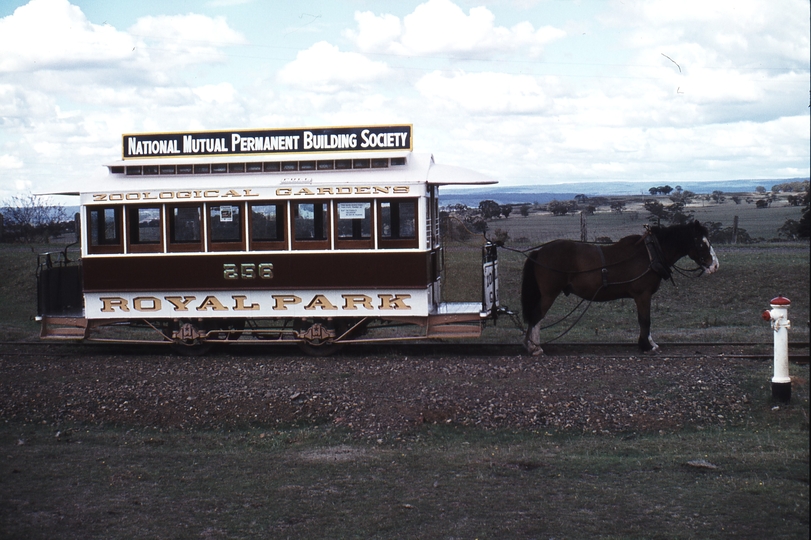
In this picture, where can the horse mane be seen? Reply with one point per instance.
(680, 235)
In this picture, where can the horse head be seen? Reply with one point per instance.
(701, 250)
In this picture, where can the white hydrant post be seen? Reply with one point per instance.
(778, 316)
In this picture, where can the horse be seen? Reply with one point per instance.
(633, 267)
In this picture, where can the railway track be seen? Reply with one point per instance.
(798, 352)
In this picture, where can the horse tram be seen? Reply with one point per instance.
(318, 237)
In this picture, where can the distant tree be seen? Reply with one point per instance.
(678, 190)
(506, 210)
(618, 206)
(718, 196)
(489, 209)
(524, 210)
(736, 199)
(760, 189)
(558, 208)
(762, 203)
(581, 198)
(30, 218)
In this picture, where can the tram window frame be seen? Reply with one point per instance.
(321, 217)
(357, 240)
(97, 228)
(134, 242)
(174, 245)
(226, 245)
(394, 240)
(262, 244)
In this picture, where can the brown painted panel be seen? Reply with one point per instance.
(289, 270)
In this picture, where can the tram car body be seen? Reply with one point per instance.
(310, 236)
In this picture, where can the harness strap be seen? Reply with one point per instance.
(604, 270)
(656, 256)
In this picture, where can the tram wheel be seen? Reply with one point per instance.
(188, 339)
(318, 335)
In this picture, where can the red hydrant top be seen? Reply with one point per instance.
(780, 300)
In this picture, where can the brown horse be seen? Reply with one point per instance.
(631, 268)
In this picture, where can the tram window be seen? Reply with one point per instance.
(185, 228)
(145, 229)
(104, 231)
(225, 228)
(267, 226)
(398, 223)
(311, 225)
(353, 224)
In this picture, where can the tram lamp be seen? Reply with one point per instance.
(778, 317)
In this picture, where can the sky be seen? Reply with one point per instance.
(530, 92)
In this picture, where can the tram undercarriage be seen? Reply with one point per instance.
(315, 336)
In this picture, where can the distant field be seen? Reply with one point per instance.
(542, 227)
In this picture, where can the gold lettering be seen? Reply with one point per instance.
(232, 193)
(378, 189)
(394, 301)
(352, 301)
(116, 197)
(320, 301)
(213, 303)
(362, 190)
(109, 303)
(211, 193)
(239, 304)
(343, 191)
(146, 303)
(133, 196)
(325, 191)
(99, 197)
(166, 195)
(147, 196)
(181, 303)
(304, 191)
(284, 192)
(249, 193)
(400, 189)
(283, 300)
(183, 194)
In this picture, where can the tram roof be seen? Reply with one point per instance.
(418, 168)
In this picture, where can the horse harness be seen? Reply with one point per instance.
(655, 254)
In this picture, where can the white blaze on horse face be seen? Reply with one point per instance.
(715, 264)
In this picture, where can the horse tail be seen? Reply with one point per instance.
(530, 293)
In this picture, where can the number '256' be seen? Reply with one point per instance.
(247, 271)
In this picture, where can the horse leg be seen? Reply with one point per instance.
(646, 342)
(532, 339)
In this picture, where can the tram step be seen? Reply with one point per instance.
(455, 330)
(63, 328)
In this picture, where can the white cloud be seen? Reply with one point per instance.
(182, 40)
(10, 162)
(441, 27)
(323, 67)
(53, 34)
(485, 93)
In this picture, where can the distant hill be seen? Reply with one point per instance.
(543, 193)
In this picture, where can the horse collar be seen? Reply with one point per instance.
(657, 258)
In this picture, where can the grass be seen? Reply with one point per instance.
(436, 482)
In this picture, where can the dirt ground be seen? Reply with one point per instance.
(381, 395)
